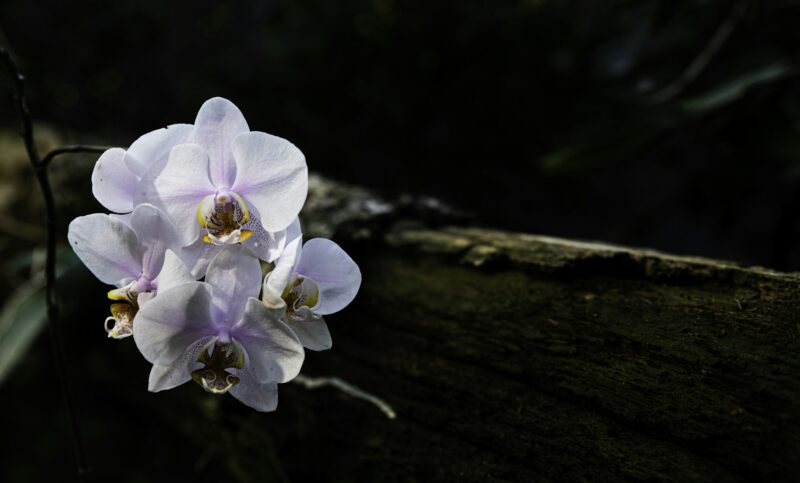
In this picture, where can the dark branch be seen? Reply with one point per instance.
(26, 122)
(40, 169)
(72, 148)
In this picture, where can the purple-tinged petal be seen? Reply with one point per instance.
(108, 247)
(154, 147)
(261, 397)
(181, 186)
(197, 256)
(335, 273)
(266, 245)
(156, 234)
(173, 272)
(167, 325)
(280, 276)
(180, 371)
(218, 122)
(274, 353)
(313, 333)
(272, 176)
(114, 186)
(234, 275)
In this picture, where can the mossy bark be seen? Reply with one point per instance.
(525, 358)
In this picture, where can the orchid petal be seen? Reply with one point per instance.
(234, 274)
(180, 371)
(113, 184)
(266, 245)
(276, 281)
(154, 147)
(197, 256)
(274, 352)
(173, 321)
(334, 272)
(218, 122)
(272, 175)
(156, 234)
(108, 247)
(261, 397)
(313, 333)
(173, 272)
(181, 186)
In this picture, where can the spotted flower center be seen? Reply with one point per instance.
(213, 376)
(301, 296)
(223, 216)
(120, 324)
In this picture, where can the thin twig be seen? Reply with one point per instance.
(40, 168)
(347, 388)
(72, 148)
(701, 61)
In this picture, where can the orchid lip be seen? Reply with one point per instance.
(224, 216)
(214, 377)
(302, 298)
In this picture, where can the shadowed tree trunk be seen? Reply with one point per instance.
(525, 358)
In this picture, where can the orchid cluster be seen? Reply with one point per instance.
(198, 211)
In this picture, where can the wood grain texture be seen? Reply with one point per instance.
(512, 357)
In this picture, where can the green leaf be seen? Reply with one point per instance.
(21, 319)
(25, 312)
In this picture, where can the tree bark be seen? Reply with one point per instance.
(512, 357)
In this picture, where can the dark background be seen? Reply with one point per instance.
(539, 116)
(563, 118)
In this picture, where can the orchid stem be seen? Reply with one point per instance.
(40, 169)
(347, 388)
(72, 148)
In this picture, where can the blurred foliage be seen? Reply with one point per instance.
(24, 313)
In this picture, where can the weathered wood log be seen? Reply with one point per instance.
(511, 357)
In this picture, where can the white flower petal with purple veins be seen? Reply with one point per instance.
(117, 175)
(108, 247)
(173, 272)
(235, 274)
(218, 335)
(180, 371)
(259, 396)
(181, 186)
(153, 148)
(218, 122)
(156, 234)
(174, 320)
(312, 332)
(113, 184)
(274, 353)
(276, 281)
(272, 175)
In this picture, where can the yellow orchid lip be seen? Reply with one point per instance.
(122, 321)
(223, 216)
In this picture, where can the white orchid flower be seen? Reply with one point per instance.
(230, 185)
(219, 335)
(219, 182)
(137, 254)
(309, 281)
